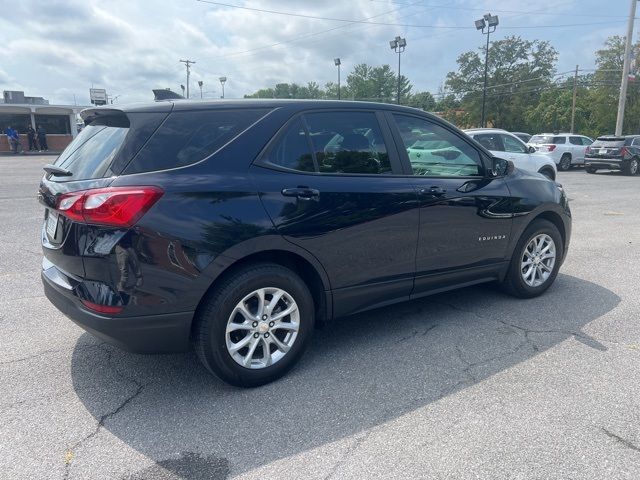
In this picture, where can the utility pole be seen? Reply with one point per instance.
(625, 69)
(573, 105)
(188, 64)
(490, 22)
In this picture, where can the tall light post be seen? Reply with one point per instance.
(182, 87)
(188, 64)
(223, 80)
(490, 23)
(398, 45)
(200, 83)
(625, 70)
(337, 62)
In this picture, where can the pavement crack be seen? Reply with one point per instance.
(415, 333)
(345, 456)
(621, 440)
(457, 308)
(579, 336)
(46, 352)
(70, 453)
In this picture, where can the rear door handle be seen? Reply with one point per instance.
(304, 193)
(434, 190)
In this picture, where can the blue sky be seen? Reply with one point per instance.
(58, 49)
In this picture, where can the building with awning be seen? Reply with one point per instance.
(20, 111)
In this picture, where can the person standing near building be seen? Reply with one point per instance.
(42, 138)
(31, 137)
(13, 138)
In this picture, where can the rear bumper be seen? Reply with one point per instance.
(163, 333)
(608, 163)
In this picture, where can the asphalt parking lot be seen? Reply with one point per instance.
(468, 384)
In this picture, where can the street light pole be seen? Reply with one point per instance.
(490, 22)
(337, 63)
(188, 64)
(222, 82)
(200, 83)
(398, 45)
(625, 70)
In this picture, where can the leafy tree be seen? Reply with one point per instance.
(422, 100)
(518, 70)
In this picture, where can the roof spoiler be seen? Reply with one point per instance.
(166, 94)
(90, 114)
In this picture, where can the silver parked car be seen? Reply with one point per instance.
(506, 145)
(566, 149)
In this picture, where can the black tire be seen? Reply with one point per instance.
(212, 316)
(632, 167)
(565, 162)
(549, 173)
(513, 283)
(590, 169)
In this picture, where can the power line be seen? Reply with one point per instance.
(390, 24)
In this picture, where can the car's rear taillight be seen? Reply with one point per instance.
(624, 151)
(101, 308)
(587, 150)
(112, 206)
(551, 147)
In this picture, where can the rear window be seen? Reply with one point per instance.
(188, 137)
(609, 142)
(550, 139)
(90, 154)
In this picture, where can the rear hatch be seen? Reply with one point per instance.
(99, 153)
(606, 147)
(545, 143)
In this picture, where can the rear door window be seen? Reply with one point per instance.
(348, 142)
(186, 137)
(575, 141)
(293, 150)
(559, 140)
(490, 141)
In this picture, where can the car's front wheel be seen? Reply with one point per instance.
(255, 326)
(535, 261)
(548, 172)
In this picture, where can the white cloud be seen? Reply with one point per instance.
(61, 48)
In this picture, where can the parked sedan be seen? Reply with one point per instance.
(614, 153)
(566, 149)
(507, 145)
(233, 227)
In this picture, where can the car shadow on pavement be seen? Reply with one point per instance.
(359, 372)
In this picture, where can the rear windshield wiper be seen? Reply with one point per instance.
(57, 171)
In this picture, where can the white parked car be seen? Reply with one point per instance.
(506, 145)
(566, 149)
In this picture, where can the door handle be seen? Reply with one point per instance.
(434, 190)
(303, 193)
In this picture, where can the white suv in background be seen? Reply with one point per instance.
(566, 149)
(506, 145)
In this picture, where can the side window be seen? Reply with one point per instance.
(559, 140)
(575, 141)
(490, 141)
(586, 141)
(435, 151)
(348, 142)
(293, 150)
(636, 141)
(513, 144)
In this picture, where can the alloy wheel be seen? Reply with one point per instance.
(262, 328)
(538, 260)
(633, 167)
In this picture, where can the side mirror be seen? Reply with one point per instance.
(531, 150)
(501, 167)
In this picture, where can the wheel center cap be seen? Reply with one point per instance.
(263, 327)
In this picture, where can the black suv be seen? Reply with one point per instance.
(614, 153)
(235, 226)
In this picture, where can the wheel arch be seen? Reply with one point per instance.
(554, 218)
(316, 281)
(548, 168)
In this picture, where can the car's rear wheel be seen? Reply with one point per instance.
(631, 167)
(536, 260)
(565, 162)
(254, 326)
(590, 169)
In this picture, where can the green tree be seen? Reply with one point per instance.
(377, 84)
(423, 101)
(518, 71)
